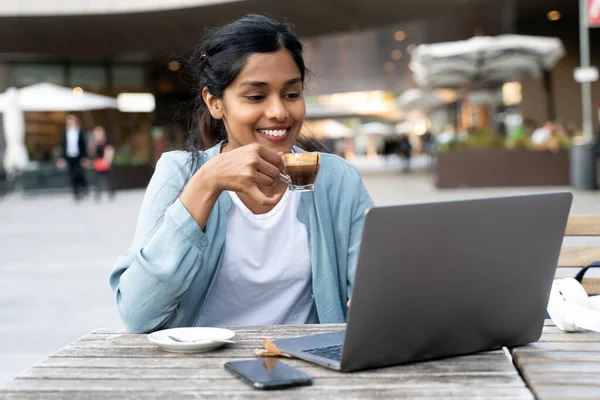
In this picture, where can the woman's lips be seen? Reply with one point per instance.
(275, 135)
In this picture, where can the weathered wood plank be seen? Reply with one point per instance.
(558, 346)
(149, 352)
(583, 225)
(344, 382)
(491, 361)
(221, 373)
(567, 392)
(556, 356)
(565, 367)
(296, 393)
(540, 380)
(243, 341)
(575, 337)
(578, 256)
(257, 330)
(122, 341)
(591, 285)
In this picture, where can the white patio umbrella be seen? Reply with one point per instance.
(484, 59)
(39, 97)
(50, 97)
(320, 111)
(334, 130)
(377, 128)
(13, 123)
(413, 99)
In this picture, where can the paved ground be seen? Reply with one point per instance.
(55, 257)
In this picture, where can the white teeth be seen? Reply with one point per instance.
(278, 132)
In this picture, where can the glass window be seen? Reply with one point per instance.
(128, 77)
(88, 76)
(29, 74)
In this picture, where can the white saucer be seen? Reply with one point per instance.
(161, 338)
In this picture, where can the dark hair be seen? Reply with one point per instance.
(219, 60)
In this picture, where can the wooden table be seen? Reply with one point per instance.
(561, 365)
(112, 365)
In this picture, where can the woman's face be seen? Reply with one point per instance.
(265, 103)
(99, 135)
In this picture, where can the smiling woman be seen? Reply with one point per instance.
(221, 240)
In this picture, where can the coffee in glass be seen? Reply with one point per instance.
(300, 170)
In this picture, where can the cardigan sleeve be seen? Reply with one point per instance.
(360, 204)
(166, 253)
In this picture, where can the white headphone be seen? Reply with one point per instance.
(571, 308)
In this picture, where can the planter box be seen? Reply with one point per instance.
(499, 167)
(131, 176)
(48, 178)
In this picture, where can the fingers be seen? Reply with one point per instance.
(265, 180)
(265, 168)
(271, 157)
(260, 197)
(349, 302)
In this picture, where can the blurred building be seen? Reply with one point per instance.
(111, 47)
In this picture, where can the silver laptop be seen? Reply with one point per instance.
(443, 279)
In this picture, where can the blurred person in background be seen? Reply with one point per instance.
(572, 129)
(447, 135)
(542, 135)
(104, 154)
(74, 155)
(405, 151)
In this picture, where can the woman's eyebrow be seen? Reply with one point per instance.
(262, 84)
(254, 83)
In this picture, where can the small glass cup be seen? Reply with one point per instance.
(300, 170)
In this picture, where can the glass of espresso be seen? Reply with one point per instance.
(300, 170)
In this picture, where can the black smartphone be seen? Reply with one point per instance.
(268, 373)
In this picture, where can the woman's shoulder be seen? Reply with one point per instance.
(179, 161)
(177, 166)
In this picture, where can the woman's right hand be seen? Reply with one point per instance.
(245, 169)
(241, 170)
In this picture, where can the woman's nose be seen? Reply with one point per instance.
(277, 110)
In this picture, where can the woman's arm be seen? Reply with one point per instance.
(361, 203)
(109, 154)
(166, 253)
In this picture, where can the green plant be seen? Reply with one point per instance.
(127, 159)
(485, 140)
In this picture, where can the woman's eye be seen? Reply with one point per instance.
(292, 95)
(255, 98)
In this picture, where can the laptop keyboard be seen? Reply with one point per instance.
(330, 352)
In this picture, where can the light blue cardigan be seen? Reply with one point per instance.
(166, 275)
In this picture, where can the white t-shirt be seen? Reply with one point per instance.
(265, 277)
(72, 142)
(541, 136)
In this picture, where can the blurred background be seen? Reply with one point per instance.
(430, 99)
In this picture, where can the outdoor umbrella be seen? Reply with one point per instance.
(413, 99)
(320, 111)
(39, 97)
(15, 154)
(377, 128)
(485, 60)
(50, 97)
(333, 129)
